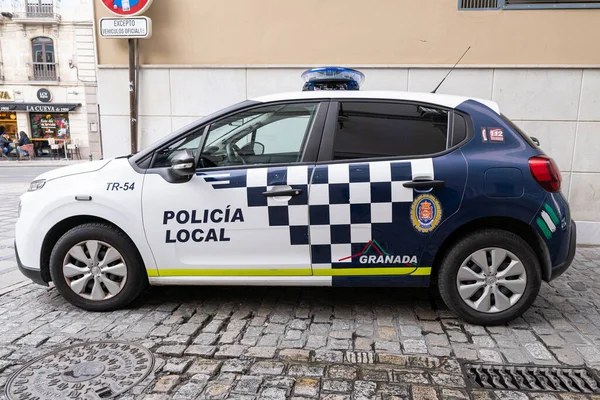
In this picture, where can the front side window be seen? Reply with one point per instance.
(272, 134)
(264, 135)
(373, 130)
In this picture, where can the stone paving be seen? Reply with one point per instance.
(276, 343)
(10, 277)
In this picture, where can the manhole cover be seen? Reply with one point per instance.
(539, 379)
(98, 370)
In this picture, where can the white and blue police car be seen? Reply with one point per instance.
(330, 186)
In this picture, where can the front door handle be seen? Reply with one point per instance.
(424, 184)
(282, 192)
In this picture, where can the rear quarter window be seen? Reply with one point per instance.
(459, 132)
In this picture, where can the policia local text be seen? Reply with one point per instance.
(216, 216)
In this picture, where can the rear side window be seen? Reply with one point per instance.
(372, 130)
(459, 133)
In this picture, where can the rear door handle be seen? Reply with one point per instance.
(282, 192)
(424, 184)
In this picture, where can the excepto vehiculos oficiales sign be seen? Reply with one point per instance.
(126, 28)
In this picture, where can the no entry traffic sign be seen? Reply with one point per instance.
(127, 8)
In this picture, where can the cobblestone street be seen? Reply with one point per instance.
(276, 343)
(16, 179)
(10, 277)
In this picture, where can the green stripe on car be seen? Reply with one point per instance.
(552, 214)
(544, 228)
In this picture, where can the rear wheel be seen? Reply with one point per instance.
(97, 267)
(489, 277)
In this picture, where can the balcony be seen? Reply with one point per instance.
(40, 11)
(37, 14)
(44, 72)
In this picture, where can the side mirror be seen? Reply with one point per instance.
(259, 148)
(183, 164)
(535, 140)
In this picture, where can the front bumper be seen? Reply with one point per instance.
(33, 274)
(561, 268)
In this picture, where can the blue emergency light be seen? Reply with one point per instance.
(332, 78)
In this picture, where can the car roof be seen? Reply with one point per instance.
(444, 100)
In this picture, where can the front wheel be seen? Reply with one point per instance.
(489, 277)
(97, 267)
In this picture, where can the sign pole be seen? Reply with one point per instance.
(128, 25)
(132, 97)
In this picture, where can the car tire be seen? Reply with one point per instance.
(509, 292)
(97, 267)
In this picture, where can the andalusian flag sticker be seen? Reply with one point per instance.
(547, 221)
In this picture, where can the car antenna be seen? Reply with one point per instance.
(451, 69)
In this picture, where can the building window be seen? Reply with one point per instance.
(44, 62)
(525, 4)
(40, 8)
(478, 4)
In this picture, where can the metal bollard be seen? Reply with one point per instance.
(90, 157)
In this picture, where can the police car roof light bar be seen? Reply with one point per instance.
(451, 69)
(332, 78)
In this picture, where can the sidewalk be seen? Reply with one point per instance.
(40, 163)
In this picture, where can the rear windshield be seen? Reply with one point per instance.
(519, 131)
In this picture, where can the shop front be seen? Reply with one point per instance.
(48, 128)
(46, 125)
(9, 121)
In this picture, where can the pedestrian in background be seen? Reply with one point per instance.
(23, 140)
(5, 142)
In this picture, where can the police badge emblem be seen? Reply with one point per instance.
(426, 213)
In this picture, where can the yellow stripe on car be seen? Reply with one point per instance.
(413, 271)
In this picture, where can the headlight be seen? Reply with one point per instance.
(36, 185)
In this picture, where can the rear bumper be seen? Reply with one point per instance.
(33, 274)
(561, 268)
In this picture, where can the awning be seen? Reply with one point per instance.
(39, 107)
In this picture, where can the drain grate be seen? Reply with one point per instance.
(539, 379)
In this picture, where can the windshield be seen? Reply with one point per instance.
(227, 130)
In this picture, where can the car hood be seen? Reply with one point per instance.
(81, 168)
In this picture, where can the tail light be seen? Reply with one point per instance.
(546, 173)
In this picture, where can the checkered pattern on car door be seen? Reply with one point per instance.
(348, 202)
